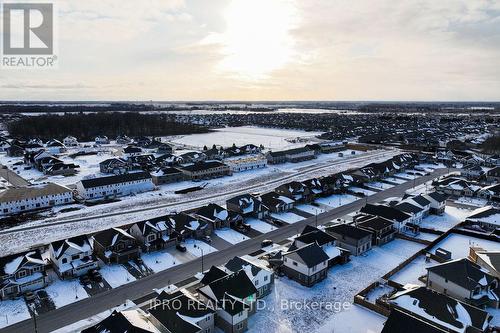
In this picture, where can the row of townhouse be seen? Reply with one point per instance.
(18, 200)
(78, 255)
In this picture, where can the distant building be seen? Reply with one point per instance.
(168, 175)
(246, 163)
(291, 155)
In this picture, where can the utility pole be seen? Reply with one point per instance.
(316, 220)
(201, 250)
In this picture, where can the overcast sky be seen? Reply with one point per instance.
(269, 50)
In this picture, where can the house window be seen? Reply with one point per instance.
(64, 260)
(265, 278)
(294, 263)
(256, 282)
(75, 257)
(21, 274)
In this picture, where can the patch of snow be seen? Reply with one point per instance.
(337, 200)
(287, 217)
(260, 226)
(159, 260)
(64, 292)
(116, 275)
(230, 235)
(13, 311)
(193, 246)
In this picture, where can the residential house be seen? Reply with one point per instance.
(55, 146)
(131, 150)
(72, 257)
(234, 297)
(473, 172)
(167, 160)
(168, 175)
(489, 260)
(490, 192)
(22, 272)
(261, 277)
(415, 211)
(493, 175)
(142, 162)
(101, 140)
(276, 202)
(326, 241)
(215, 153)
(187, 225)
(246, 163)
(307, 265)
(193, 157)
(292, 155)
(14, 150)
(296, 191)
(205, 170)
(132, 320)
(115, 166)
(114, 186)
(437, 202)
(487, 217)
(218, 216)
(402, 322)
(440, 310)
(164, 148)
(17, 200)
(247, 205)
(466, 281)
(153, 234)
(70, 141)
(354, 239)
(399, 218)
(180, 312)
(382, 229)
(115, 245)
(123, 140)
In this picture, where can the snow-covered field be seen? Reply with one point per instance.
(230, 235)
(459, 245)
(159, 260)
(451, 217)
(337, 200)
(310, 209)
(361, 190)
(116, 275)
(64, 292)
(342, 283)
(13, 311)
(269, 137)
(287, 217)
(193, 246)
(260, 226)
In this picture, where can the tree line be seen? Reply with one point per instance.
(87, 126)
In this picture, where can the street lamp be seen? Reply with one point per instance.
(199, 248)
(316, 218)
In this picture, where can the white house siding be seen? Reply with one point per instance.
(115, 190)
(39, 202)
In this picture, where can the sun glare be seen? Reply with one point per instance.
(257, 40)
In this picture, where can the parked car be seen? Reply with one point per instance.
(266, 243)
(95, 275)
(181, 248)
(207, 239)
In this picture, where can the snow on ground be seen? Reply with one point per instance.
(116, 275)
(357, 319)
(159, 260)
(287, 217)
(230, 235)
(342, 283)
(64, 292)
(271, 138)
(260, 226)
(193, 246)
(310, 209)
(379, 185)
(13, 311)
(477, 202)
(395, 180)
(426, 236)
(361, 190)
(459, 245)
(411, 272)
(405, 176)
(337, 200)
(451, 217)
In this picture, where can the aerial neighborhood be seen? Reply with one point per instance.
(415, 233)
